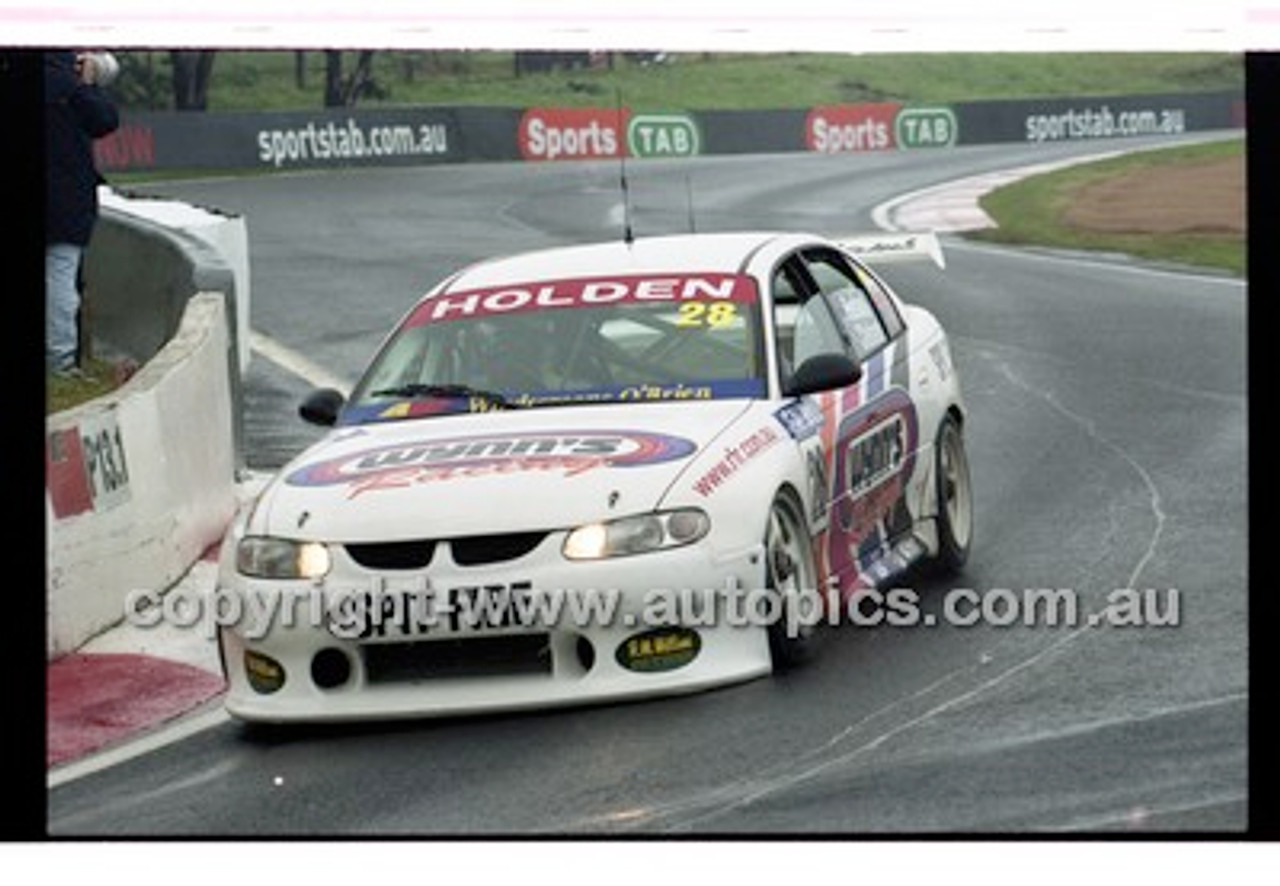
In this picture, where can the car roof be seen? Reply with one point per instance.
(711, 252)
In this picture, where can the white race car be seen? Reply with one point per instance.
(599, 472)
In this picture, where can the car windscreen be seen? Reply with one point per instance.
(634, 339)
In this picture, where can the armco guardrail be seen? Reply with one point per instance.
(140, 482)
(429, 135)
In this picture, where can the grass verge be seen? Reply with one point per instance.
(268, 80)
(98, 377)
(1033, 211)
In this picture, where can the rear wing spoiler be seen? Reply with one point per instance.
(882, 248)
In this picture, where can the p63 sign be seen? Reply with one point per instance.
(85, 467)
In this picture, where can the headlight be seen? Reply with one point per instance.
(636, 535)
(263, 557)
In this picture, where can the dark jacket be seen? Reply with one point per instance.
(75, 114)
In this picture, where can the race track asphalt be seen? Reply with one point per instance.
(1108, 448)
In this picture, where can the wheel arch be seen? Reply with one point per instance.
(787, 490)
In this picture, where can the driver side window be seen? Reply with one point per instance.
(815, 332)
(852, 304)
(803, 322)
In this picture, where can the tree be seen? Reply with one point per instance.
(340, 92)
(191, 72)
(141, 85)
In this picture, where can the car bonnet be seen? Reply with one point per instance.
(495, 472)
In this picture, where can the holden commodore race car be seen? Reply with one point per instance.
(603, 471)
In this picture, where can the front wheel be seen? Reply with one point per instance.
(791, 575)
(955, 498)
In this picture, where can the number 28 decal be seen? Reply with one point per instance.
(698, 314)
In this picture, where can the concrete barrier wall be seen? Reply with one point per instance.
(140, 482)
(148, 256)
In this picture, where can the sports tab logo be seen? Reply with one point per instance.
(571, 452)
(572, 133)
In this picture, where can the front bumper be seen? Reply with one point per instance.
(649, 642)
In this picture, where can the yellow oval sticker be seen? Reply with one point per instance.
(661, 649)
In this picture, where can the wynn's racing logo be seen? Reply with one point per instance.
(571, 452)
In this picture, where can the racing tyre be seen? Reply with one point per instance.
(791, 575)
(955, 498)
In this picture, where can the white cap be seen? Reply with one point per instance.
(105, 68)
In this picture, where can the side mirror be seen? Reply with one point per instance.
(321, 407)
(823, 372)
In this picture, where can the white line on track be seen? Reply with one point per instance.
(295, 362)
(211, 715)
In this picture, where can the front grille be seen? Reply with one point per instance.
(479, 550)
(474, 550)
(393, 554)
(501, 656)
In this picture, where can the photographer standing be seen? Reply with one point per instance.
(77, 111)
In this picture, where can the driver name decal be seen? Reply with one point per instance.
(427, 461)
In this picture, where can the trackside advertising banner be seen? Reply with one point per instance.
(409, 136)
(1075, 119)
(752, 132)
(851, 129)
(572, 133)
(606, 133)
(307, 140)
